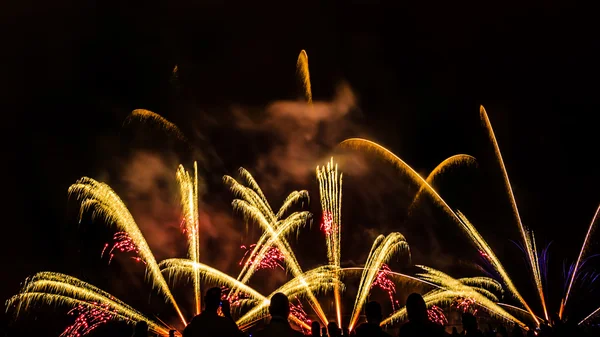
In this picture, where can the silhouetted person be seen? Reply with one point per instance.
(374, 317)
(418, 324)
(141, 329)
(333, 330)
(454, 331)
(279, 325)
(315, 329)
(209, 323)
(470, 325)
(171, 333)
(324, 331)
(345, 331)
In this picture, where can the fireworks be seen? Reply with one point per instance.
(303, 73)
(465, 304)
(271, 260)
(384, 282)
(88, 319)
(436, 315)
(123, 243)
(147, 115)
(297, 311)
(330, 190)
(382, 250)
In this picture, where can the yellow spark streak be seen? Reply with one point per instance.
(494, 261)
(528, 244)
(253, 204)
(381, 252)
(395, 274)
(330, 188)
(483, 297)
(302, 70)
(147, 115)
(189, 203)
(49, 288)
(581, 252)
(105, 203)
(517, 308)
(367, 145)
(319, 279)
(448, 163)
(589, 316)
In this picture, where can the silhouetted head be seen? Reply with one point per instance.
(280, 306)
(373, 312)
(332, 329)
(212, 298)
(141, 329)
(315, 329)
(454, 331)
(416, 308)
(469, 322)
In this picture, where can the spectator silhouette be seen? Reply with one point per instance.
(171, 333)
(418, 324)
(517, 332)
(454, 331)
(470, 325)
(140, 329)
(209, 323)
(374, 317)
(315, 329)
(345, 331)
(333, 330)
(279, 325)
(324, 331)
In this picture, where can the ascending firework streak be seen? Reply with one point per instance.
(581, 252)
(188, 186)
(382, 250)
(254, 205)
(59, 289)
(458, 159)
(330, 189)
(105, 203)
(367, 145)
(589, 316)
(304, 74)
(527, 239)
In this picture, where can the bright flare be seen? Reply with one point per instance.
(304, 74)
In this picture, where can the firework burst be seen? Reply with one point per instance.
(436, 315)
(122, 243)
(88, 319)
(272, 259)
(383, 282)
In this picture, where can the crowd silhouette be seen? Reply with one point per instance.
(210, 323)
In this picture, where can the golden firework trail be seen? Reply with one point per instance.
(480, 243)
(319, 279)
(581, 253)
(304, 74)
(476, 288)
(382, 250)
(529, 249)
(330, 189)
(486, 251)
(254, 205)
(517, 309)
(188, 186)
(147, 115)
(105, 203)
(60, 289)
(589, 316)
(447, 164)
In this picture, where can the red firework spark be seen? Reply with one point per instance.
(88, 319)
(273, 258)
(327, 222)
(123, 243)
(436, 315)
(465, 304)
(384, 283)
(297, 310)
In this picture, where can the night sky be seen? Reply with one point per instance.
(418, 72)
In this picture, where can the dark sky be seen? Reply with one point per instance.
(420, 72)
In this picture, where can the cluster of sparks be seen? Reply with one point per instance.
(272, 259)
(124, 244)
(94, 307)
(436, 315)
(297, 311)
(465, 304)
(88, 319)
(384, 282)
